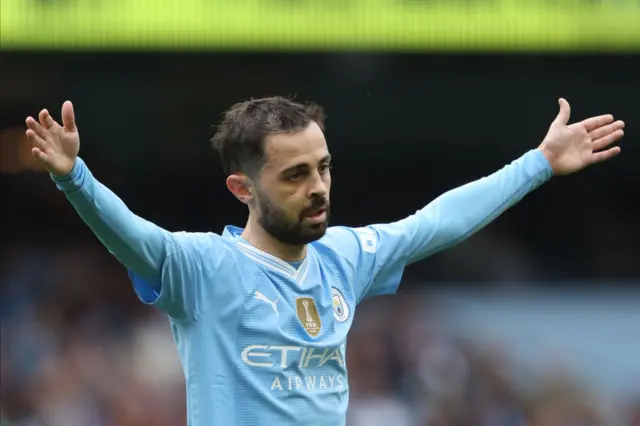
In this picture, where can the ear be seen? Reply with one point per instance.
(241, 187)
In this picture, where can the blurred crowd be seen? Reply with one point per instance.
(78, 349)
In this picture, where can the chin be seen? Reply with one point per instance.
(314, 233)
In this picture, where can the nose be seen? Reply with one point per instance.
(318, 186)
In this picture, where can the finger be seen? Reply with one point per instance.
(35, 140)
(45, 119)
(601, 156)
(605, 130)
(39, 154)
(595, 122)
(68, 117)
(605, 141)
(36, 127)
(565, 112)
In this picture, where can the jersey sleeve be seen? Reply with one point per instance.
(377, 254)
(165, 267)
(185, 285)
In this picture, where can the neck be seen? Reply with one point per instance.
(258, 237)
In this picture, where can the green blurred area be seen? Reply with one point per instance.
(381, 25)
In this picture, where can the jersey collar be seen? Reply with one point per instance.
(267, 260)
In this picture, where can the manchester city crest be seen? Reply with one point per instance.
(340, 308)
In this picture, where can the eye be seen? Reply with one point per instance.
(294, 177)
(324, 168)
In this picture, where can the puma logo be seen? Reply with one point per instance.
(273, 303)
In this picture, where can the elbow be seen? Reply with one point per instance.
(142, 254)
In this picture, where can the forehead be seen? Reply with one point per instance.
(287, 150)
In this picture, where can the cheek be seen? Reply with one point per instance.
(328, 182)
(294, 203)
(287, 202)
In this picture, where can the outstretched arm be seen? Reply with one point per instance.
(138, 244)
(378, 253)
(461, 212)
(165, 267)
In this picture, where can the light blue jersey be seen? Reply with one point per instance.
(262, 341)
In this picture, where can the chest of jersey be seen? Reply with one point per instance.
(294, 324)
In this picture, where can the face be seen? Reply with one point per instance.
(292, 193)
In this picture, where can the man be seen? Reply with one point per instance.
(260, 315)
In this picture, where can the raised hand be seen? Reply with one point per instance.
(54, 145)
(572, 147)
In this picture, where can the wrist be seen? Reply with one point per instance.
(548, 156)
(73, 180)
(67, 173)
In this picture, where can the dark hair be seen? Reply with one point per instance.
(239, 138)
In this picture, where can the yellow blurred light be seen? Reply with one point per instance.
(503, 25)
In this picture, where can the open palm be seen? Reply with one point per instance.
(54, 145)
(570, 148)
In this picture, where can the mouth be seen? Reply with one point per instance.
(317, 216)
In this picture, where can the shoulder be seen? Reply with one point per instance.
(347, 240)
(346, 246)
(336, 239)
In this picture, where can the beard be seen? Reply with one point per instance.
(293, 232)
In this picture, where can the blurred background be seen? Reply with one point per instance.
(535, 321)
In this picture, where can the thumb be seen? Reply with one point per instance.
(565, 112)
(68, 117)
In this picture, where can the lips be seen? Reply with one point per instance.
(317, 211)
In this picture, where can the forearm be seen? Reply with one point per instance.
(461, 212)
(136, 243)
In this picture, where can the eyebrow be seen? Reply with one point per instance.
(302, 166)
